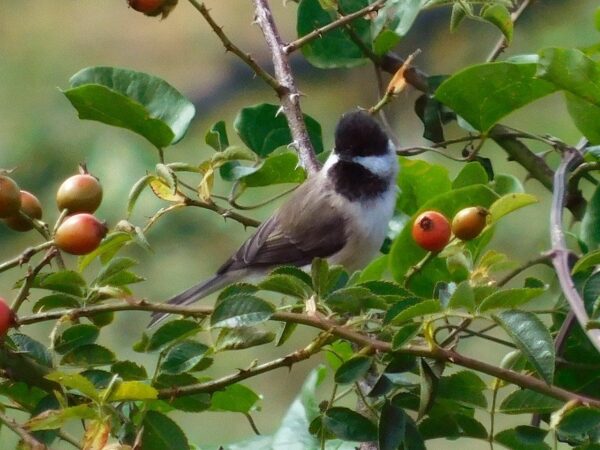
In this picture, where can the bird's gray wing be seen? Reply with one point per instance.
(306, 227)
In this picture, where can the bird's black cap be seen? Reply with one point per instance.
(358, 134)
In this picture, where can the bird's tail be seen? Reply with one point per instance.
(193, 294)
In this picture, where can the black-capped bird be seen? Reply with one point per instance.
(340, 213)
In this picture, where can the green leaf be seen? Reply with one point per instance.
(279, 167)
(507, 184)
(32, 348)
(235, 398)
(287, 285)
(216, 137)
(162, 433)
(483, 94)
(241, 338)
(113, 268)
(419, 182)
(183, 356)
(335, 48)
(464, 387)
(241, 311)
(463, 297)
(66, 281)
(405, 334)
(74, 381)
(523, 437)
(471, 173)
(397, 15)
(349, 425)
(586, 117)
(382, 287)
(525, 401)
(76, 336)
(590, 224)
(171, 332)
(135, 192)
(109, 246)
(405, 253)
(233, 290)
(263, 130)
(579, 421)
(587, 261)
(571, 70)
(509, 203)
(55, 301)
(423, 308)
(353, 369)
(90, 355)
(498, 15)
(189, 403)
(133, 100)
(132, 390)
(509, 298)
(129, 371)
(53, 419)
(428, 384)
(354, 300)
(294, 272)
(531, 337)
(457, 16)
(392, 423)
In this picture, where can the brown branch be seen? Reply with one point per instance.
(231, 47)
(560, 252)
(543, 259)
(30, 278)
(30, 441)
(317, 33)
(224, 212)
(289, 95)
(335, 329)
(25, 256)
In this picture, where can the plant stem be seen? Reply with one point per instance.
(502, 44)
(30, 278)
(29, 440)
(543, 259)
(224, 212)
(25, 256)
(289, 95)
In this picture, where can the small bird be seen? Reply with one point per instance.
(340, 213)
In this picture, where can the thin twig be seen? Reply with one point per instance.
(224, 212)
(25, 256)
(502, 44)
(27, 437)
(343, 20)
(30, 279)
(289, 95)
(560, 253)
(543, 259)
(231, 47)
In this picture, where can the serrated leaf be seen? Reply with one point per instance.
(132, 390)
(464, 387)
(354, 299)
(182, 357)
(32, 348)
(76, 336)
(234, 398)
(525, 401)
(579, 421)
(509, 298)
(335, 48)
(349, 425)
(136, 191)
(463, 297)
(133, 100)
(483, 94)
(171, 332)
(391, 427)
(287, 285)
(263, 130)
(295, 272)
(233, 290)
(509, 203)
(405, 334)
(66, 281)
(189, 403)
(423, 308)
(523, 437)
(89, 356)
(499, 15)
(55, 301)
(162, 433)
(241, 338)
(428, 384)
(52, 419)
(241, 311)
(74, 381)
(531, 337)
(353, 369)
(129, 371)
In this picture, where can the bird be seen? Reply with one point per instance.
(340, 213)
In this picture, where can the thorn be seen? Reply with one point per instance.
(279, 111)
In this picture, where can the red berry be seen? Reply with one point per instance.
(7, 318)
(31, 206)
(80, 234)
(431, 231)
(79, 193)
(468, 223)
(153, 7)
(10, 197)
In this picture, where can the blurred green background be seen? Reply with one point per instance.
(43, 43)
